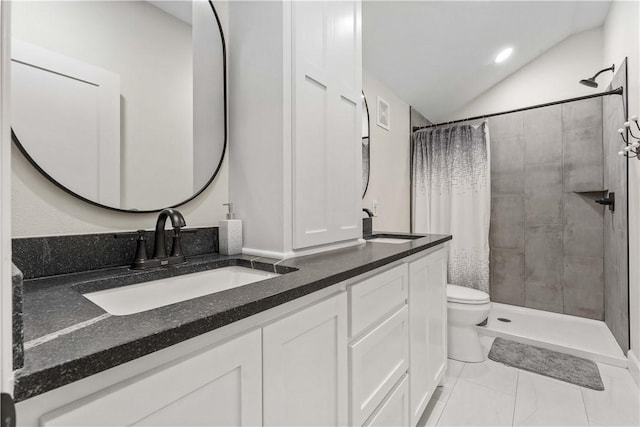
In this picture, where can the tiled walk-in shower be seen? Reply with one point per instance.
(553, 248)
(546, 231)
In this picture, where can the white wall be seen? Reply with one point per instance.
(389, 178)
(551, 76)
(256, 91)
(40, 209)
(622, 38)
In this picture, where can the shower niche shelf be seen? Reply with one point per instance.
(597, 193)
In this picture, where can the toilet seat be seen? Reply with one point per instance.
(464, 295)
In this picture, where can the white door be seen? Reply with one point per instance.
(305, 367)
(66, 114)
(427, 328)
(218, 386)
(437, 316)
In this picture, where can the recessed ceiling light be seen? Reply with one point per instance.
(503, 55)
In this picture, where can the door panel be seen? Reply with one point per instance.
(305, 366)
(66, 114)
(219, 386)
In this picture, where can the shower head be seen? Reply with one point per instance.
(591, 81)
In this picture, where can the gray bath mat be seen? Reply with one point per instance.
(564, 367)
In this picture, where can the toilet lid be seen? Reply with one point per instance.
(462, 294)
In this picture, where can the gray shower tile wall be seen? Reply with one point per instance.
(535, 225)
(616, 279)
(507, 222)
(580, 274)
(580, 115)
(542, 131)
(583, 225)
(543, 194)
(507, 169)
(543, 208)
(506, 126)
(543, 267)
(507, 266)
(583, 166)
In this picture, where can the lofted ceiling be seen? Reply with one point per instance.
(178, 8)
(439, 55)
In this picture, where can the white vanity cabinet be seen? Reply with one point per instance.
(428, 326)
(219, 386)
(296, 120)
(305, 366)
(369, 351)
(291, 369)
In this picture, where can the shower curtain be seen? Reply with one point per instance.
(452, 195)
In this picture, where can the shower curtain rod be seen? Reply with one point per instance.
(617, 91)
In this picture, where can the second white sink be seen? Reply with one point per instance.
(388, 240)
(158, 293)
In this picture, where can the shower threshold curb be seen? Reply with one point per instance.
(620, 362)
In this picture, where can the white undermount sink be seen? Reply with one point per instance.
(388, 240)
(158, 293)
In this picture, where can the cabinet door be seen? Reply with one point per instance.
(220, 386)
(312, 34)
(305, 366)
(427, 328)
(346, 120)
(327, 81)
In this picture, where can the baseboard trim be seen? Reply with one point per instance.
(301, 252)
(634, 367)
(264, 254)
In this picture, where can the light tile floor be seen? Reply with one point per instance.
(493, 394)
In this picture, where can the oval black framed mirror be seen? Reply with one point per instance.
(121, 104)
(366, 147)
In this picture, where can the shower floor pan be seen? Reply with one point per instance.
(587, 338)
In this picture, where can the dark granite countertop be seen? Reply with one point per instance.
(68, 338)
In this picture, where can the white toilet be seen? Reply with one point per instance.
(466, 308)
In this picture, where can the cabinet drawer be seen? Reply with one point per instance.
(378, 360)
(394, 411)
(372, 299)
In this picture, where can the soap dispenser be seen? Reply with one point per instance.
(230, 233)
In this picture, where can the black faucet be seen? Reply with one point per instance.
(367, 223)
(160, 257)
(177, 221)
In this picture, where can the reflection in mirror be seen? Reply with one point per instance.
(122, 104)
(365, 146)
